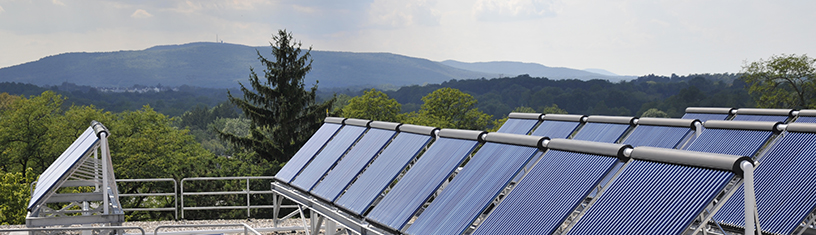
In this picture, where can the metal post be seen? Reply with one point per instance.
(247, 191)
(181, 187)
(103, 139)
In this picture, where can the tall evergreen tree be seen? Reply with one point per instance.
(283, 113)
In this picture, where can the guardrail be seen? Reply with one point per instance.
(247, 228)
(174, 194)
(247, 191)
(72, 229)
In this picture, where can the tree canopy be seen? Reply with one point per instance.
(373, 105)
(782, 81)
(283, 113)
(449, 108)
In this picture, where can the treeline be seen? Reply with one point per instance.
(169, 102)
(671, 94)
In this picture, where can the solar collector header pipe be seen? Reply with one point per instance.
(800, 127)
(463, 134)
(393, 126)
(612, 119)
(335, 120)
(742, 125)
(564, 117)
(357, 122)
(590, 147)
(534, 116)
(516, 139)
(417, 129)
(726, 162)
(807, 113)
(674, 122)
(769, 112)
(712, 110)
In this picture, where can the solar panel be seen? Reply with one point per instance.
(327, 157)
(604, 129)
(558, 125)
(806, 116)
(354, 161)
(520, 123)
(806, 119)
(476, 185)
(652, 198)
(383, 170)
(61, 168)
(765, 115)
(726, 137)
(707, 113)
(551, 190)
(309, 149)
(705, 116)
(423, 179)
(660, 132)
(762, 118)
(785, 191)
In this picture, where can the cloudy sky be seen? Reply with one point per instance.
(627, 37)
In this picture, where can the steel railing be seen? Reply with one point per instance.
(174, 194)
(247, 191)
(73, 229)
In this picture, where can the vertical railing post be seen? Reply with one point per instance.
(247, 191)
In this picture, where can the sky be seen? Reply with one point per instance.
(626, 37)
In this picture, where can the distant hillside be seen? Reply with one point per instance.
(512, 69)
(219, 65)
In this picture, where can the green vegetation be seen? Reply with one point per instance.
(782, 81)
(194, 132)
(283, 114)
(372, 105)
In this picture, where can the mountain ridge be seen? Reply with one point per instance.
(224, 65)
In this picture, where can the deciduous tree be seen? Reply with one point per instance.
(373, 105)
(449, 108)
(782, 81)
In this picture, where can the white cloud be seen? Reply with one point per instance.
(400, 14)
(141, 14)
(58, 2)
(509, 10)
(1, 9)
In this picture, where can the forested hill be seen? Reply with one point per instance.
(630, 98)
(512, 69)
(222, 65)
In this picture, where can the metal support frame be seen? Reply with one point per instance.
(327, 211)
(98, 207)
(247, 191)
(174, 194)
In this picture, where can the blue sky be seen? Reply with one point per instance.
(627, 37)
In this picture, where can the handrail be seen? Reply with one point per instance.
(71, 229)
(175, 195)
(247, 228)
(246, 191)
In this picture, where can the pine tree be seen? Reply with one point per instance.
(282, 112)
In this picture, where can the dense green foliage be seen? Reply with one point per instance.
(673, 94)
(35, 130)
(783, 81)
(172, 102)
(282, 112)
(372, 105)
